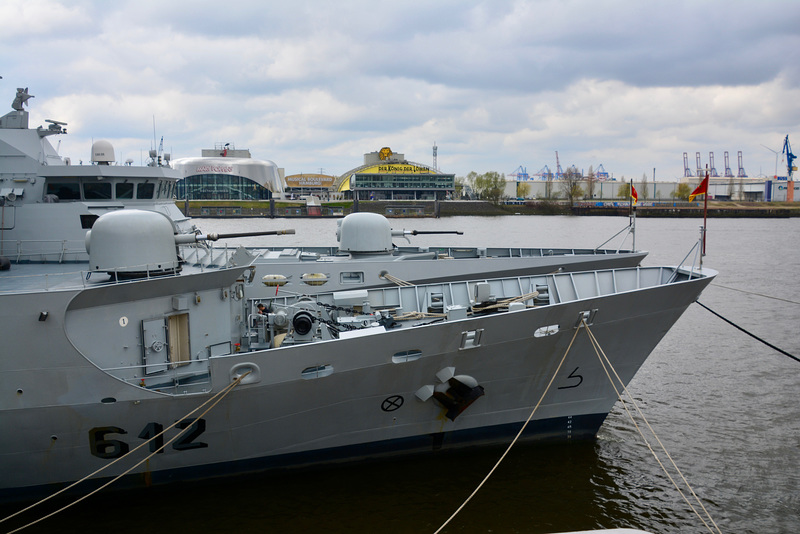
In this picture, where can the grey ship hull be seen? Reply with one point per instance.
(63, 417)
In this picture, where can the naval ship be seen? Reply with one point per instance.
(143, 365)
(47, 205)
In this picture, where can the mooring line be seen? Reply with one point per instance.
(514, 441)
(767, 343)
(395, 280)
(754, 293)
(604, 360)
(215, 399)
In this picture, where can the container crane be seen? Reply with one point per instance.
(728, 171)
(741, 173)
(559, 170)
(712, 171)
(545, 173)
(521, 174)
(687, 172)
(787, 150)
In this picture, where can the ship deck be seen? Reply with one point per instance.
(35, 277)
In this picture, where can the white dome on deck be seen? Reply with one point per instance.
(364, 232)
(132, 242)
(102, 152)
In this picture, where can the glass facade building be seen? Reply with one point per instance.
(391, 186)
(221, 187)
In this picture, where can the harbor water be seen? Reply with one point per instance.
(723, 404)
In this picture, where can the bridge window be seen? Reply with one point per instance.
(97, 191)
(125, 191)
(64, 190)
(145, 191)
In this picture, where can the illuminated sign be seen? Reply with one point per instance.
(213, 169)
(310, 180)
(396, 168)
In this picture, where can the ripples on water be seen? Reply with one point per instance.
(724, 405)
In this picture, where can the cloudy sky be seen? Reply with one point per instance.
(313, 85)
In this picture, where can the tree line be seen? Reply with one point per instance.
(490, 186)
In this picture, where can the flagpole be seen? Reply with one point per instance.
(632, 221)
(705, 217)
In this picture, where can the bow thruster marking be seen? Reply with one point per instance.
(392, 403)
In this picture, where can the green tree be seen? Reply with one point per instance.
(470, 182)
(645, 192)
(591, 180)
(488, 186)
(570, 185)
(459, 184)
(495, 186)
(624, 190)
(523, 190)
(683, 191)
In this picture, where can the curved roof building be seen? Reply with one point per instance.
(228, 174)
(388, 175)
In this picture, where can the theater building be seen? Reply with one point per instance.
(318, 185)
(387, 175)
(224, 173)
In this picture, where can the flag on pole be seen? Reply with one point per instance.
(634, 195)
(702, 189)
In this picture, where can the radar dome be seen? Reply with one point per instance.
(132, 243)
(364, 233)
(102, 152)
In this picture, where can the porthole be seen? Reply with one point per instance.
(319, 371)
(546, 331)
(406, 356)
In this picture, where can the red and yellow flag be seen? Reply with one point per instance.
(634, 195)
(702, 189)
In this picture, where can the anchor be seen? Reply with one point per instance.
(455, 393)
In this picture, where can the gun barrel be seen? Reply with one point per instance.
(421, 232)
(254, 234)
(196, 238)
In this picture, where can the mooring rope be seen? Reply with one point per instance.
(395, 280)
(505, 302)
(765, 342)
(516, 438)
(215, 400)
(754, 293)
(604, 360)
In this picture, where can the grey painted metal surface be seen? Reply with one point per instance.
(96, 362)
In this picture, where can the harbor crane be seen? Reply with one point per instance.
(521, 174)
(712, 171)
(787, 150)
(545, 173)
(559, 170)
(687, 172)
(728, 171)
(741, 173)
